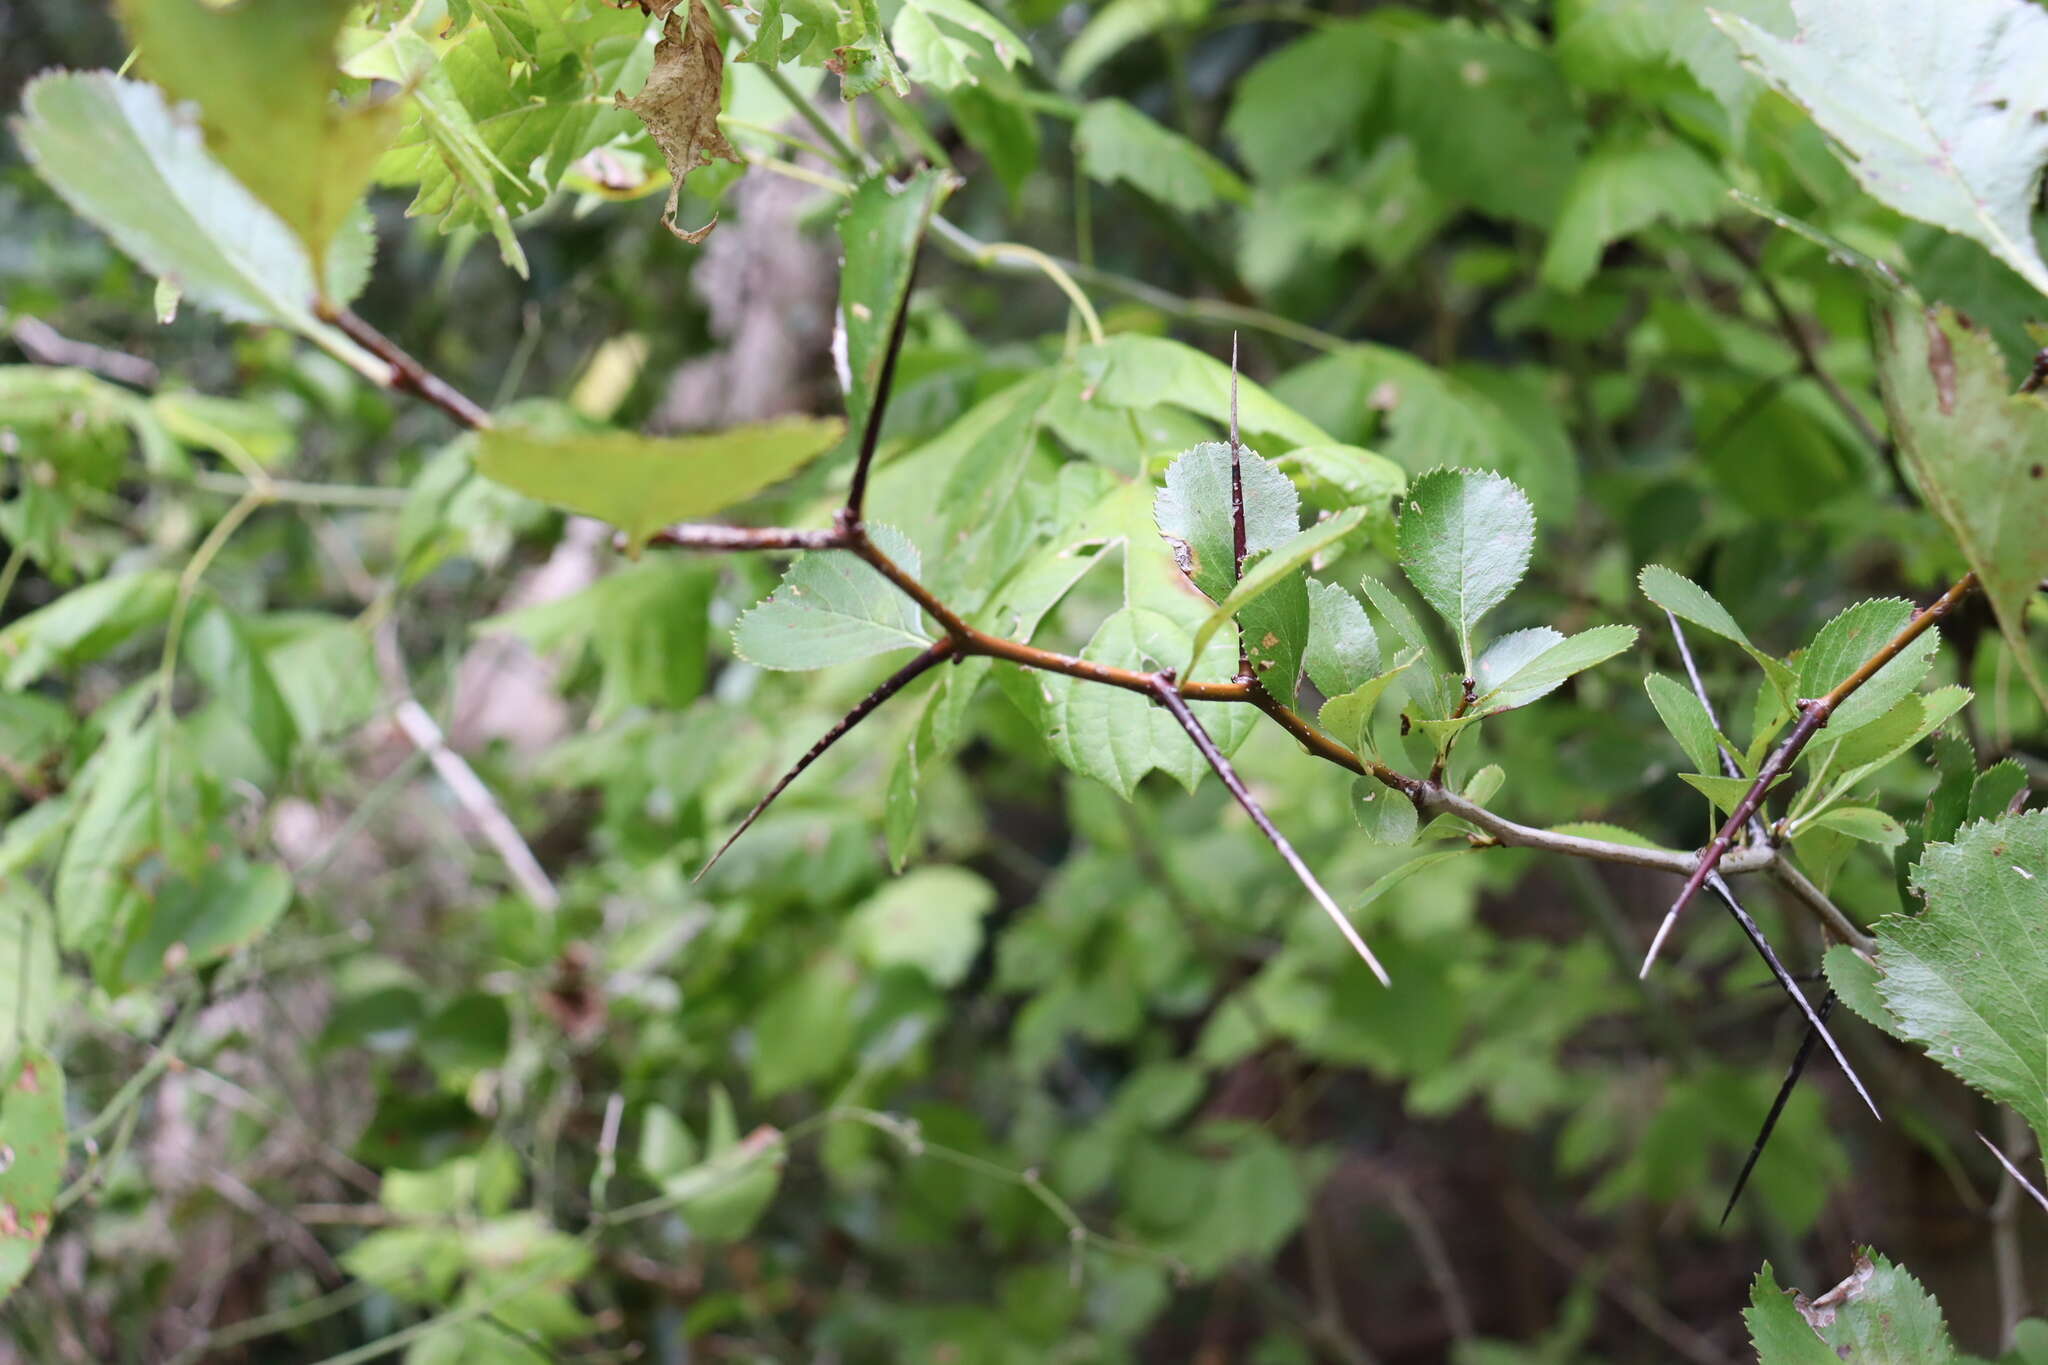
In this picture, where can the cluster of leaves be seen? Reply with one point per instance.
(1023, 1079)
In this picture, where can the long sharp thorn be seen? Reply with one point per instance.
(1763, 1136)
(866, 707)
(2014, 1171)
(1791, 987)
(885, 381)
(1237, 531)
(1169, 697)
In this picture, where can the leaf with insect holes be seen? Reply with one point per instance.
(1274, 646)
(1879, 1315)
(1343, 651)
(1938, 108)
(1689, 601)
(833, 607)
(1842, 647)
(643, 483)
(1465, 538)
(1967, 978)
(1194, 513)
(1978, 453)
(1544, 671)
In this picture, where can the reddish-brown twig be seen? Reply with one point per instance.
(408, 374)
(1813, 714)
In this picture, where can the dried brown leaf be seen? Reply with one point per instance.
(679, 103)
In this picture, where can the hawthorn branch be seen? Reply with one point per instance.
(1169, 696)
(1813, 714)
(407, 374)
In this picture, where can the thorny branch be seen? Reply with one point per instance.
(1813, 714)
(1429, 796)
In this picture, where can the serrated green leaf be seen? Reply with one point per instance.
(1274, 646)
(1115, 142)
(1967, 978)
(140, 172)
(1879, 1315)
(1974, 447)
(1384, 816)
(643, 483)
(1194, 513)
(1465, 538)
(1348, 715)
(929, 920)
(1855, 981)
(32, 1132)
(1994, 788)
(1936, 107)
(263, 75)
(833, 607)
(1685, 717)
(1353, 476)
(1624, 186)
(1543, 671)
(879, 233)
(1139, 372)
(1687, 600)
(1117, 736)
(1343, 652)
(1877, 744)
(1846, 642)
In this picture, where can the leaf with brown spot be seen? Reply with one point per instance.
(679, 103)
(1971, 445)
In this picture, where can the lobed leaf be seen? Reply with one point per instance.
(1978, 453)
(1967, 978)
